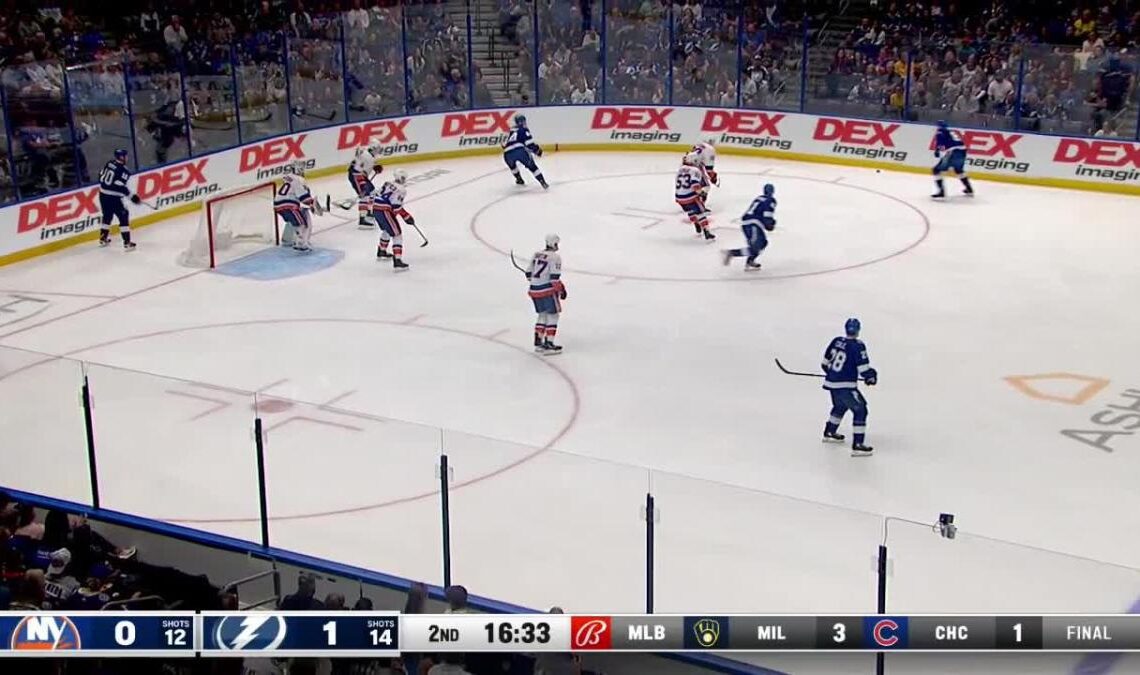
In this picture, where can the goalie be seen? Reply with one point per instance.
(292, 203)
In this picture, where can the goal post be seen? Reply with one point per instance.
(229, 222)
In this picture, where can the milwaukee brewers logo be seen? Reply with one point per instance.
(707, 632)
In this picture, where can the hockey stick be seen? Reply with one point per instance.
(793, 372)
(148, 204)
(420, 232)
(516, 265)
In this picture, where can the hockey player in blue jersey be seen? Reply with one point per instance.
(844, 363)
(760, 217)
(112, 190)
(951, 153)
(517, 150)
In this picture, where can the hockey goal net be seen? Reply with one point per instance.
(231, 224)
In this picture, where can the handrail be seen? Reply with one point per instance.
(114, 604)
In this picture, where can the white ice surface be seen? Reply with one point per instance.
(667, 385)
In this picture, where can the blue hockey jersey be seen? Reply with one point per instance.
(113, 180)
(946, 140)
(762, 212)
(844, 362)
(519, 139)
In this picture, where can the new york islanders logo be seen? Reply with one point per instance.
(250, 633)
(45, 633)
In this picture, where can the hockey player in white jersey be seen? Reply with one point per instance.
(689, 186)
(388, 209)
(706, 154)
(547, 292)
(293, 202)
(364, 165)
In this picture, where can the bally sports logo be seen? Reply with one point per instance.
(76, 211)
(1115, 160)
(274, 158)
(590, 633)
(392, 135)
(990, 150)
(752, 129)
(644, 125)
(478, 128)
(871, 140)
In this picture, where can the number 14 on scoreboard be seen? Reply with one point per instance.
(371, 634)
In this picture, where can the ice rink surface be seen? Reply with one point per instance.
(1003, 328)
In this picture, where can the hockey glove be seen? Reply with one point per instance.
(871, 377)
(409, 219)
(135, 199)
(769, 227)
(538, 151)
(562, 294)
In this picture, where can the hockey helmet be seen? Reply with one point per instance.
(520, 121)
(552, 241)
(400, 176)
(942, 124)
(852, 327)
(121, 154)
(374, 148)
(692, 159)
(769, 190)
(297, 167)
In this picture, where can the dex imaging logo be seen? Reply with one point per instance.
(249, 633)
(45, 633)
(872, 140)
(590, 632)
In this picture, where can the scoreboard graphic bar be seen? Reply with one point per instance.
(359, 634)
(98, 634)
(386, 634)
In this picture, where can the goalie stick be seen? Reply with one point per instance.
(795, 372)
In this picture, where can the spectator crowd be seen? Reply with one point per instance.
(1075, 64)
(167, 80)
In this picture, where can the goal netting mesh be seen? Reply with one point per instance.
(233, 224)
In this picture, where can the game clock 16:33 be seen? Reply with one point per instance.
(526, 632)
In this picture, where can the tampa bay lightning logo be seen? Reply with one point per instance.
(254, 632)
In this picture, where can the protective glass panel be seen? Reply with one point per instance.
(637, 52)
(728, 549)
(45, 442)
(978, 575)
(436, 44)
(979, 91)
(1079, 92)
(705, 57)
(156, 92)
(864, 80)
(771, 62)
(44, 153)
(569, 53)
(336, 478)
(375, 84)
(99, 112)
(316, 83)
(195, 442)
(263, 109)
(210, 93)
(503, 50)
(522, 516)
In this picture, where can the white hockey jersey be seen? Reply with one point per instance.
(707, 154)
(545, 274)
(690, 180)
(363, 161)
(293, 194)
